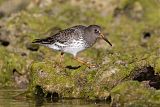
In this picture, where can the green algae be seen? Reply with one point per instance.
(74, 83)
(133, 93)
(115, 64)
(126, 55)
(10, 62)
(48, 78)
(157, 65)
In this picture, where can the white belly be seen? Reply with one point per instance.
(57, 46)
(73, 48)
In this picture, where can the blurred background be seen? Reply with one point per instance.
(133, 27)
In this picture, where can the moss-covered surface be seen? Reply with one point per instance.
(9, 62)
(135, 94)
(133, 27)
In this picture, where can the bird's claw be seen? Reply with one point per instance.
(91, 65)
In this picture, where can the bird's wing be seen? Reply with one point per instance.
(62, 36)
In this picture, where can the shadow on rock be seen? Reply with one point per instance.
(148, 74)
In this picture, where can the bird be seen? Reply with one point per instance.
(73, 40)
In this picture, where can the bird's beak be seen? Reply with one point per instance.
(102, 36)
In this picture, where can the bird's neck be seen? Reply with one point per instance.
(89, 38)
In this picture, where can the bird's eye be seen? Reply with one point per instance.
(96, 31)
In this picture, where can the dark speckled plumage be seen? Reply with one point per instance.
(62, 36)
(72, 40)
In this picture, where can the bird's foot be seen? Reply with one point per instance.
(85, 63)
(91, 65)
(59, 64)
(59, 61)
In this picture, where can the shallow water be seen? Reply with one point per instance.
(8, 99)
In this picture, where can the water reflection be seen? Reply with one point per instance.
(8, 99)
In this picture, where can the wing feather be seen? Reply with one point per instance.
(62, 36)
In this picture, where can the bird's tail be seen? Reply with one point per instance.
(41, 41)
(37, 41)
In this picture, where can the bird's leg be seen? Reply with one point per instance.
(84, 63)
(61, 57)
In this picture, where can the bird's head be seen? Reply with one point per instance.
(95, 31)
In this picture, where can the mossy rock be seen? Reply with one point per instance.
(135, 94)
(67, 82)
(9, 62)
(157, 65)
(131, 50)
(50, 79)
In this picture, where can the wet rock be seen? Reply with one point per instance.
(11, 62)
(51, 83)
(68, 83)
(155, 84)
(39, 95)
(21, 80)
(133, 93)
(77, 81)
(39, 91)
(54, 97)
(148, 74)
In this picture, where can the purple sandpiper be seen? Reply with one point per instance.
(73, 40)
